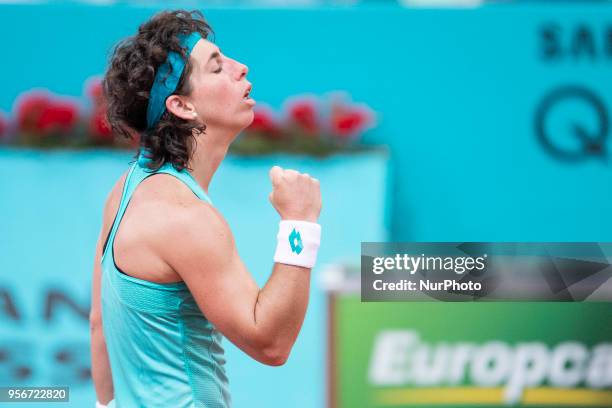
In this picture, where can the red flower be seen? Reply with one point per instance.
(263, 122)
(304, 114)
(29, 110)
(58, 117)
(99, 127)
(37, 113)
(347, 122)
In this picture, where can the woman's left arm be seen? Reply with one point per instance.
(100, 365)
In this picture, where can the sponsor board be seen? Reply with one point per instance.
(485, 355)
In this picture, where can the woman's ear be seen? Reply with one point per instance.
(180, 108)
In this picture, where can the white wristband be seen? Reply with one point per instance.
(98, 405)
(298, 243)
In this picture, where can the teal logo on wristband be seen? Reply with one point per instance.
(295, 240)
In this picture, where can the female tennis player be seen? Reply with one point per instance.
(168, 282)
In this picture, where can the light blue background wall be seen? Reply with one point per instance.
(456, 91)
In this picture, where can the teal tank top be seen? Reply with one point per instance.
(163, 351)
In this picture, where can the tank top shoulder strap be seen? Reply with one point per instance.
(139, 172)
(184, 175)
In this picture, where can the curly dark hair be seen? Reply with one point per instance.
(130, 75)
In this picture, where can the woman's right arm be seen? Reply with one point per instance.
(198, 244)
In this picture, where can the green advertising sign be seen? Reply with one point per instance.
(434, 354)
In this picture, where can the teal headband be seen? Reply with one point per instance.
(167, 78)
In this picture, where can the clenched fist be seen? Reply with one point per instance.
(295, 196)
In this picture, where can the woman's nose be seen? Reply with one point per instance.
(242, 70)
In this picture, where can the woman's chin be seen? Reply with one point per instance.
(248, 119)
(240, 120)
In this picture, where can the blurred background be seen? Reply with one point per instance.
(433, 120)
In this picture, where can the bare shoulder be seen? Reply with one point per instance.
(112, 201)
(190, 235)
(188, 223)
